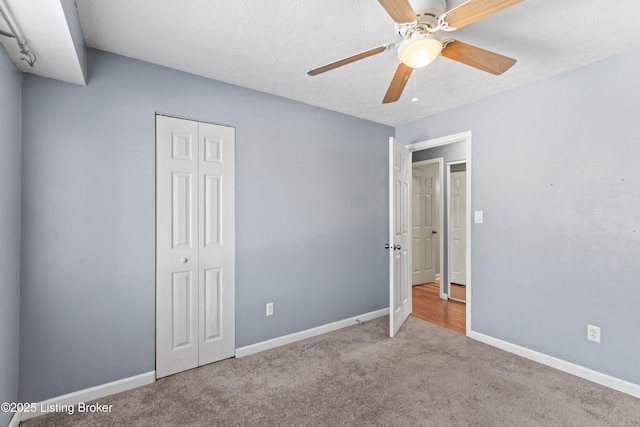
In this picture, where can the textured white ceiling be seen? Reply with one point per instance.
(270, 45)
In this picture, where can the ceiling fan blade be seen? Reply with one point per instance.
(350, 59)
(398, 83)
(476, 57)
(400, 10)
(473, 10)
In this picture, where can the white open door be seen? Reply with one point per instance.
(399, 236)
(458, 227)
(424, 218)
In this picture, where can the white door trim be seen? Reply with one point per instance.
(451, 139)
(444, 140)
(440, 161)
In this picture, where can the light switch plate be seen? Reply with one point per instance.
(478, 217)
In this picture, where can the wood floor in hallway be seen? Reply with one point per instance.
(428, 306)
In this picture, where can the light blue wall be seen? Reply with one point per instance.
(10, 101)
(555, 170)
(311, 217)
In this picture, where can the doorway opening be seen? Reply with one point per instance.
(441, 238)
(457, 230)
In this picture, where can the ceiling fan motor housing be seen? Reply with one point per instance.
(428, 11)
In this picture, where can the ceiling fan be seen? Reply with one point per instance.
(417, 22)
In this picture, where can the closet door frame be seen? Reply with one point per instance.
(195, 244)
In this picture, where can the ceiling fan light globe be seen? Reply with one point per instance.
(419, 50)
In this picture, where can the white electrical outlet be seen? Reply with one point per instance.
(269, 309)
(593, 333)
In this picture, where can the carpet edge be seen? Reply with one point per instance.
(308, 333)
(561, 365)
(91, 393)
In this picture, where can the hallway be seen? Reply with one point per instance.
(428, 306)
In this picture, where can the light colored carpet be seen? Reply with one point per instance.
(357, 376)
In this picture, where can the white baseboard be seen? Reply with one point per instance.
(297, 336)
(562, 365)
(15, 420)
(92, 393)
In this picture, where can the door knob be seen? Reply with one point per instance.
(183, 260)
(387, 246)
(434, 231)
(397, 247)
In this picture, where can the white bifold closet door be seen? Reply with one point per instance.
(195, 244)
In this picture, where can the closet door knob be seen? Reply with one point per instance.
(183, 260)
